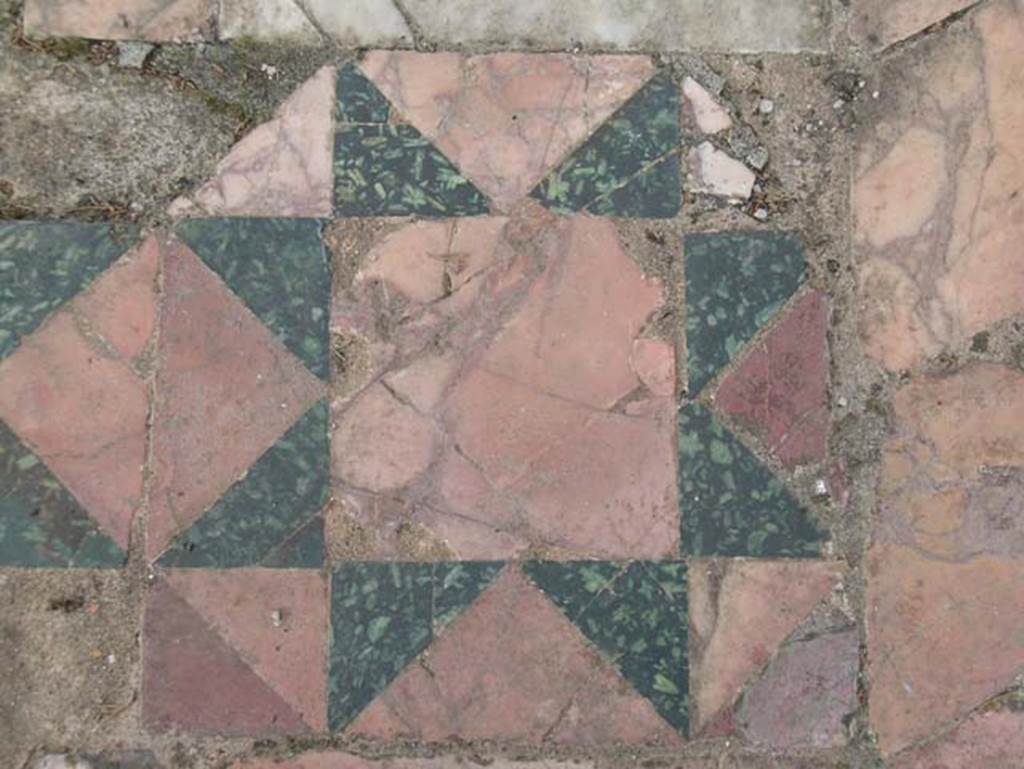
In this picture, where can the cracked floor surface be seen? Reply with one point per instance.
(486, 405)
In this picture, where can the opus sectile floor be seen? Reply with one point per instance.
(392, 410)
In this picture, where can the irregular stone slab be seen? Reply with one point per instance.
(731, 26)
(41, 524)
(730, 503)
(630, 166)
(805, 693)
(360, 22)
(714, 172)
(338, 760)
(992, 738)
(280, 269)
(937, 214)
(506, 119)
(951, 483)
(157, 20)
(513, 667)
(279, 498)
(878, 24)
(269, 20)
(227, 391)
(735, 282)
(275, 620)
(740, 612)
(635, 613)
(703, 109)
(384, 615)
(43, 264)
(780, 389)
(194, 681)
(282, 167)
(922, 609)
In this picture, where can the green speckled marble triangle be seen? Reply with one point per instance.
(380, 621)
(359, 100)
(391, 169)
(624, 152)
(41, 524)
(636, 614)
(280, 269)
(42, 265)
(735, 282)
(457, 585)
(730, 503)
(283, 492)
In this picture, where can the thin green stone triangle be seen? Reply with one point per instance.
(382, 168)
(735, 283)
(636, 614)
(42, 265)
(282, 493)
(732, 505)
(41, 524)
(629, 166)
(280, 269)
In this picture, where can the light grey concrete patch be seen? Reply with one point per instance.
(735, 26)
(265, 20)
(360, 22)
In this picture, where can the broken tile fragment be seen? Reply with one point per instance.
(937, 212)
(806, 693)
(638, 148)
(280, 268)
(703, 109)
(44, 265)
(730, 503)
(228, 389)
(513, 667)
(779, 390)
(505, 119)
(740, 613)
(155, 20)
(282, 167)
(714, 172)
(735, 283)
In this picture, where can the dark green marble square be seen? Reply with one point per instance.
(730, 503)
(735, 282)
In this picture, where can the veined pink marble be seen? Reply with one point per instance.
(506, 119)
(157, 20)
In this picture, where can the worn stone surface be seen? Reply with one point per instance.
(879, 24)
(937, 214)
(159, 20)
(271, 20)
(992, 738)
(360, 22)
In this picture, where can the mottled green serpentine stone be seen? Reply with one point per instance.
(730, 503)
(42, 265)
(280, 269)
(635, 613)
(283, 493)
(383, 615)
(735, 282)
(359, 100)
(629, 166)
(41, 524)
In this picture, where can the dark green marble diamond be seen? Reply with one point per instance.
(41, 524)
(393, 170)
(730, 503)
(42, 265)
(735, 282)
(258, 519)
(630, 166)
(635, 613)
(359, 100)
(280, 269)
